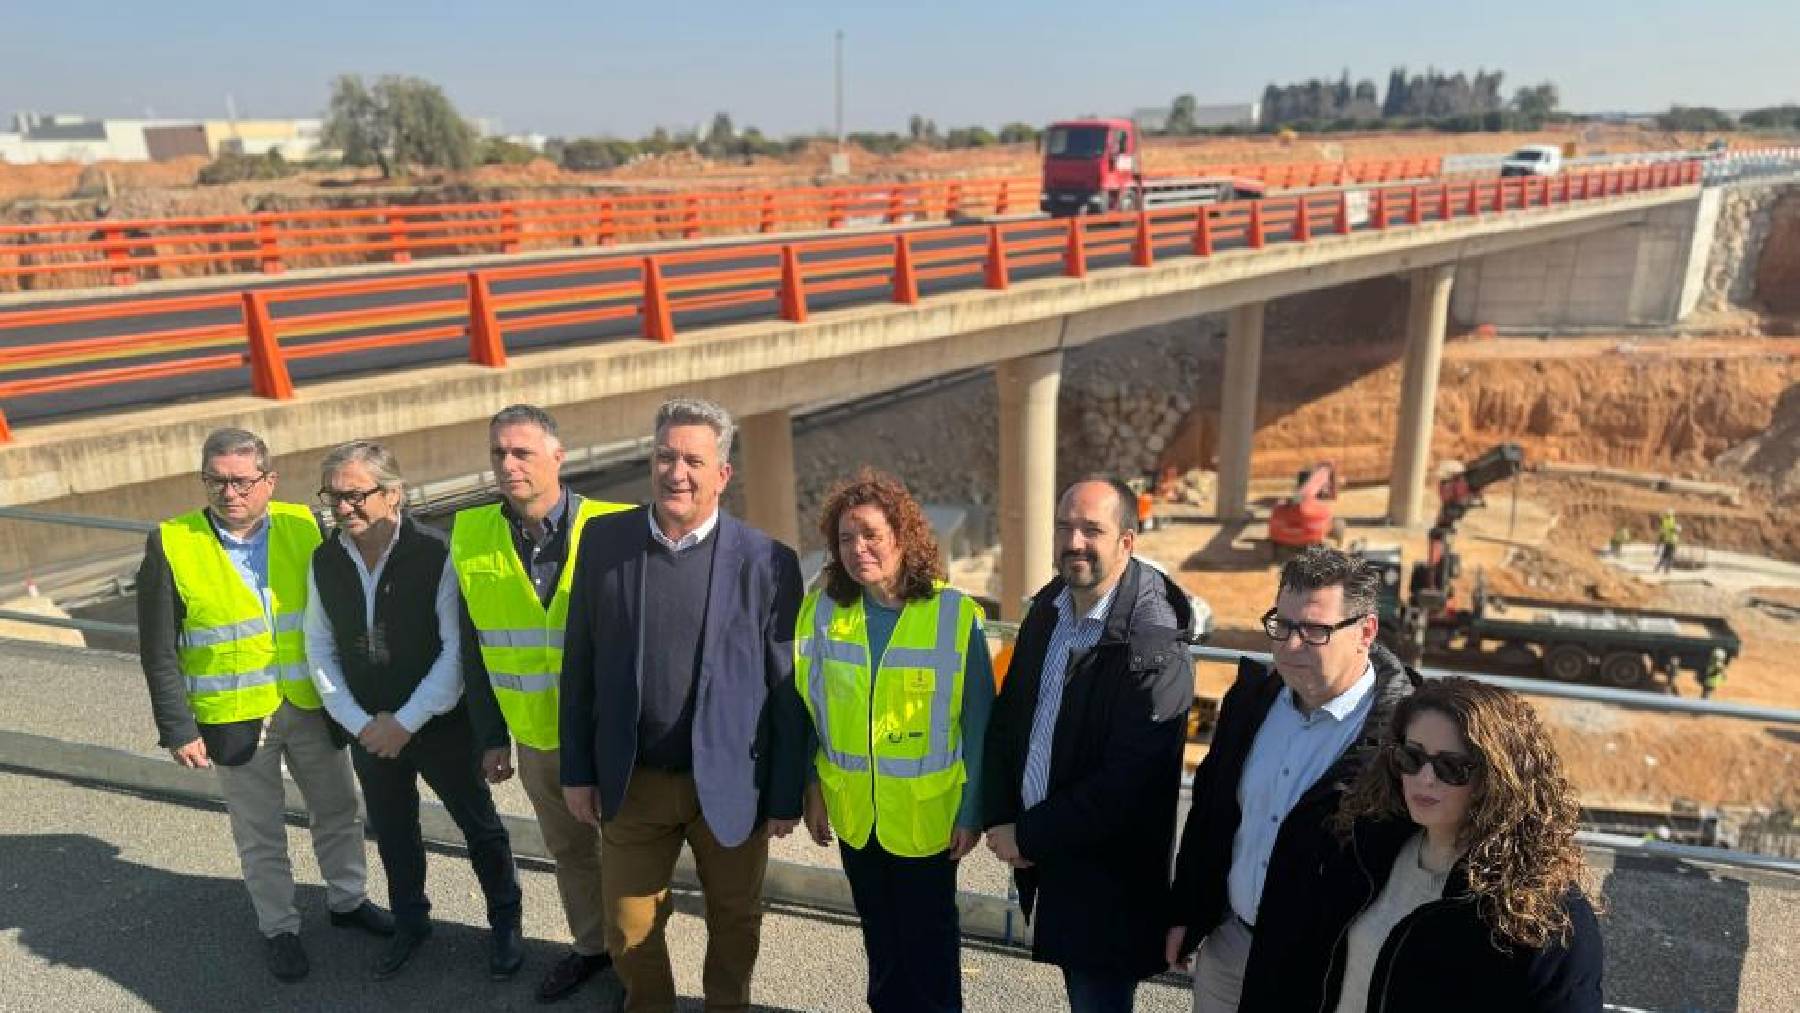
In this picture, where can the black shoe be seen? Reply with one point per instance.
(365, 916)
(507, 953)
(399, 951)
(287, 958)
(569, 973)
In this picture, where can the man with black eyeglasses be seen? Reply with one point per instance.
(221, 595)
(1288, 741)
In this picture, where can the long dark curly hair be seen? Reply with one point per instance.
(1521, 859)
(920, 564)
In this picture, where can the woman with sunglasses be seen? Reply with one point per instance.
(1459, 883)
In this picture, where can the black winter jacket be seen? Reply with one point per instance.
(1442, 956)
(1287, 915)
(1101, 839)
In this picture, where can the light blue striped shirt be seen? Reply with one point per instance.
(250, 557)
(1071, 636)
(1292, 751)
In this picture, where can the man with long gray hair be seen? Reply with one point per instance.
(383, 639)
(680, 723)
(221, 593)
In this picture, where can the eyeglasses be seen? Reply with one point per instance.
(217, 484)
(1316, 634)
(1454, 769)
(355, 497)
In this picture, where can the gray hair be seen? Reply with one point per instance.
(693, 411)
(1318, 567)
(378, 459)
(232, 442)
(526, 415)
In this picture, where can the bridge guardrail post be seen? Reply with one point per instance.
(906, 280)
(952, 200)
(268, 246)
(1379, 212)
(1256, 233)
(5, 430)
(1203, 237)
(396, 240)
(1415, 208)
(118, 256)
(487, 345)
(1342, 221)
(996, 275)
(690, 217)
(659, 320)
(1075, 252)
(511, 232)
(765, 222)
(1142, 253)
(1302, 221)
(609, 223)
(268, 367)
(1003, 202)
(1443, 202)
(793, 286)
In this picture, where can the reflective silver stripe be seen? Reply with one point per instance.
(525, 637)
(213, 636)
(290, 622)
(945, 662)
(819, 648)
(242, 680)
(540, 683)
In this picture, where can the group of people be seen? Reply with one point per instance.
(658, 675)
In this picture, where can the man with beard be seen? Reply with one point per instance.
(1083, 757)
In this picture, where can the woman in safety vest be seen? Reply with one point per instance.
(894, 670)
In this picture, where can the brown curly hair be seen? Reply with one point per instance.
(920, 565)
(1521, 859)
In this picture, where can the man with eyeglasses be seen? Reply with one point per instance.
(221, 594)
(1287, 743)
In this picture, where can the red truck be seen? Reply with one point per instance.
(1096, 166)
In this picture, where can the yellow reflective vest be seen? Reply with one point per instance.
(241, 662)
(521, 641)
(890, 743)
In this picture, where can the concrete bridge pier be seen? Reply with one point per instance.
(1237, 408)
(1028, 388)
(1427, 314)
(770, 484)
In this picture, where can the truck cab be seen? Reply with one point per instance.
(1091, 167)
(1533, 160)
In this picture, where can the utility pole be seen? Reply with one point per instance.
(840, 162)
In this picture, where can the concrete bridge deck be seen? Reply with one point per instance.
(114, 899)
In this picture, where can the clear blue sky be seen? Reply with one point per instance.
(575, 68)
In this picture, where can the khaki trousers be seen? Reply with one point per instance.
(256, 798)
(574, 845)
(1219, 967)
(638, 847)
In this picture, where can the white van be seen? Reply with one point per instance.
(1533, 160)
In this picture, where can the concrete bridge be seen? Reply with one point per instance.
(1623, 242)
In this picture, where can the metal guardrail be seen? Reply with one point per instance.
(84, 625)
(77, 520)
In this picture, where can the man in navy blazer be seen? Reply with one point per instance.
(679, 718)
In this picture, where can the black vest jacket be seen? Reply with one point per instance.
(382, 669)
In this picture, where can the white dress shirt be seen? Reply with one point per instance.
(687, 541)
(435, 694)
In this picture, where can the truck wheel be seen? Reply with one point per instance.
(1513, 654)
(1568, 663)
(1624, 669)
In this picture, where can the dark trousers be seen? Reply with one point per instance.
(910, 929)
(1098, 992)
(443, 752)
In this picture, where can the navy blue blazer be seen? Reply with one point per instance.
(749, 724)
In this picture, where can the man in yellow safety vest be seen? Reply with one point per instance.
(514, 560)
(221, 593)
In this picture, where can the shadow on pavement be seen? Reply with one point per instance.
(179, 941)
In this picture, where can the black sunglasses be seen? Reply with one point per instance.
(1454, 769)
(354, 497)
